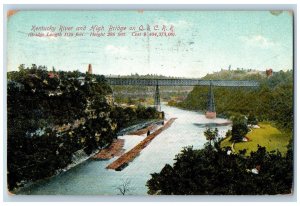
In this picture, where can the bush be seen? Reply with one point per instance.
(239, 130)
(210, 171)
(252, 120)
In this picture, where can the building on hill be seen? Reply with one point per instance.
(269, 72)
(53, 75)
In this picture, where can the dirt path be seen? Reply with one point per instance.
(232, 147)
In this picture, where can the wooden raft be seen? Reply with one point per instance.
(123, 161)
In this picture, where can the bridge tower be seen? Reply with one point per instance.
(157, 99)
(211, 108)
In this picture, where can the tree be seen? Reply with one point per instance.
(239, 129)
(124, 187)
(21, 67)
(228, 133)
(211, 135)
(210, 171)
(252, 120)
(50, 119)
(36, 108)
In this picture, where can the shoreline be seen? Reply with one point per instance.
(28, 184)
(53, 186)
(57, 172)
(151, 127)
(138, 126)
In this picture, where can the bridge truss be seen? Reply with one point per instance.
(210, 113)
(181, 82)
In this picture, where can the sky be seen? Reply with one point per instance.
(204, 42)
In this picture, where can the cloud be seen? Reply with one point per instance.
(258, 41)
(111, 49)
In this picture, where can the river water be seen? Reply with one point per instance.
(91, 177)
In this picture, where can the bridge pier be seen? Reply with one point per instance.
(211, 107)
(211, 111)
(157, 105)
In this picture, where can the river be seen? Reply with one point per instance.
(91, 177)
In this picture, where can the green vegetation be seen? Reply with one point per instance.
(264, 165)
(211, 171)
(135, 95)
(252, 120)
(211, 135)
(125, 117)
(55, 116)
(272, 101)
(238, 74)
(226, 142)
(239, 129)
(265, 136)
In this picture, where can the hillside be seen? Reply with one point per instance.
(55, 118)
(272, 101)
(238, 74)
(265, 159)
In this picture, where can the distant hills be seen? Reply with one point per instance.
(237, 74)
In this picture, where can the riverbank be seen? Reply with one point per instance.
(115, 149)
(145, 130)
(29, 184)
(92, 178)
(123, 161)
(138, 126)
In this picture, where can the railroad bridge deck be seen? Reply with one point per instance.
(211, 111)
(180, 82)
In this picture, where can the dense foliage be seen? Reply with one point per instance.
(272, 101)
(252, 120)
(211, 135)
(52, 117)
(211, 171)
(216, 171)
(128, 116)
(239, 128)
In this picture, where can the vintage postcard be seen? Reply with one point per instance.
(139, 102)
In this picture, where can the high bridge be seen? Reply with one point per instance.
(180, 82)
(210, 113)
